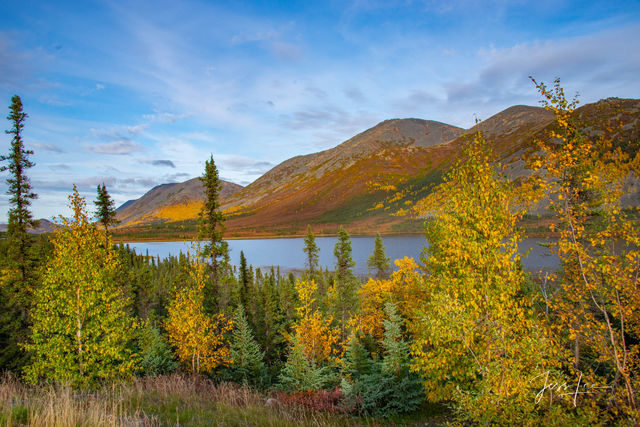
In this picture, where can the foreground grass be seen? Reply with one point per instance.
(159, 401)
(173, 400)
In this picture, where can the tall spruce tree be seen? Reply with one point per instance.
(19, 269)
(20, 217)
(311, 249)
(245, 280)
(106, 208)
(211, 218)
(345, 283)
(378, 260)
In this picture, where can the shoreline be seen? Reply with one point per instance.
(159, 239)
(248, 237)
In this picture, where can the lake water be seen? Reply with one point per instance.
(288, 253)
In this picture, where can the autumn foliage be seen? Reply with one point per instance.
(199, 338)
(81, 330)
(464, 326)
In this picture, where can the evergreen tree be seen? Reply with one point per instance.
(155, 353)
(344, 295)
(20, 217)
(18, 278)
(245, 280)
(211, 217)
(81, 330)
(356, 363)
(311, 250)
(247, 360)
(300, 373)
(378, 260)
(385, 387)
(106, 208)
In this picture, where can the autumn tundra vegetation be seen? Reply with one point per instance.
(92, 333)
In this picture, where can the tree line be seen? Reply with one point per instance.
(465, 325)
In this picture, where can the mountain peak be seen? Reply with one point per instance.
(411, 131)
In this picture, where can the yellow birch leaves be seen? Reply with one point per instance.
(199, 339)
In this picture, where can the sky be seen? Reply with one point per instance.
(134, 94)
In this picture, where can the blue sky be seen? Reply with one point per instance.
(135, 94)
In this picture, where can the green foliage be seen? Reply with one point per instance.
(311, 250)
(81, 329)
(245, 280)
(106, 208)
(211, 226)
(378, 260)
(247, 360)
(18, 274)
(301, 373)
(16, 299)
(156, 357)
(19, 184)
(385, 387)
(357, 360)
(343, 296)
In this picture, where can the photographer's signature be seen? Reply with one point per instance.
(565, 389)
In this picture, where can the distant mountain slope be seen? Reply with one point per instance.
(44, 226)
(343, 185)
(303, 171)
(169, 202)
(351, 183)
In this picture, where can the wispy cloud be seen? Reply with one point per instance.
(590, 62)
(47, 147)
(116, 147)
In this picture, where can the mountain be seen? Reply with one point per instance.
(344, 185)
(353, 184)
(169, 202)
(44, 226)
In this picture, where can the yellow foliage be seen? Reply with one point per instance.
(179, 212)
(474, 338)
(199, 339)
(319, 340)
(400, 289)
(597, 303)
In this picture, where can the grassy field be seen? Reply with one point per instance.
(173, 400)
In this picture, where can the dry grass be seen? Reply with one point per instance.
(161, 401)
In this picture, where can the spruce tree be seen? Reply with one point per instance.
(19, 266)
(247, 360)
(384, 387)
(20, 217)
(106, 208)
(211, 225)
(311, 250)
(245, 280)
(378, 260)
(345, 283)
(301, 374)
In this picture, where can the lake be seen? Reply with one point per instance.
(288, 253)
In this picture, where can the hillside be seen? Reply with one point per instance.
(169, 202)
(345, 184)
(44, 226)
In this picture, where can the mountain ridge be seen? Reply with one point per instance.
(345, 184)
